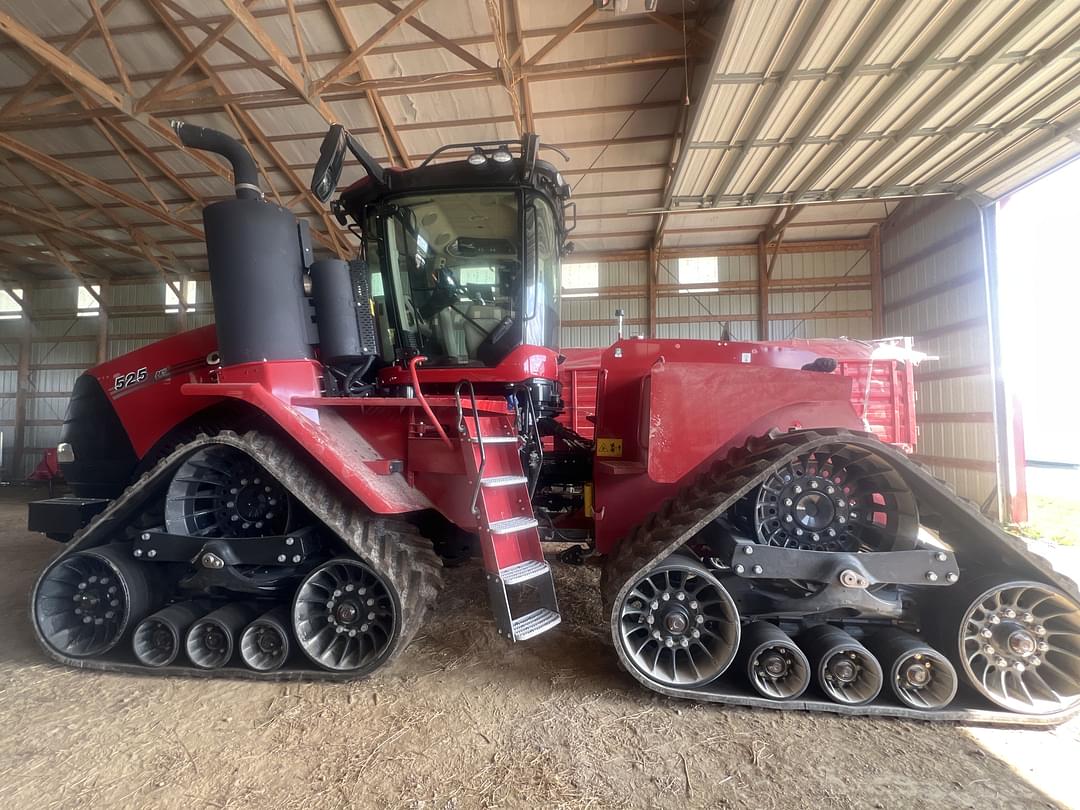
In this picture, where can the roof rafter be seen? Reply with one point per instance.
(558, 39)
(383, 122)
(309, 93)
(346, 66)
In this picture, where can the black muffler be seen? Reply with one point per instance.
(257, 253)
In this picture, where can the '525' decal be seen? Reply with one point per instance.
(122, 381)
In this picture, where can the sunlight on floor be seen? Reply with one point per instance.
(1046, 759)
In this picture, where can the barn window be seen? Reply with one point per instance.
(87, 304)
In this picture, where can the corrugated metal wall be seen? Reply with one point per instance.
(813, 293)
(62, 345)
(934, 290)
(823, 292)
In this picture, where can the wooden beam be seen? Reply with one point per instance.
(558, 39)
(73, 175)
(385, 125)
(22, 387)
(526, 94)
(298, 38)
(110, 46)
(763, 290)
(651, 280)
(74, 42)
(346, 66)
(135, 170)
(186, 62)
(62, 63)
(877, 298)
(505, 70)
(76, 74)
(103, 327)
(678, 25)
(331, 238)
(434, 36)
(152, 158)
(308, 92)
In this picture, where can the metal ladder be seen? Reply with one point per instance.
(514, 562)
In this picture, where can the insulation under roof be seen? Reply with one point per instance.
(733, 117)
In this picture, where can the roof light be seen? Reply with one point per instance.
(502, 155)
(477, 158)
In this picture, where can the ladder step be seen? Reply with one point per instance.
(503, 481)
(523, 571)
(514, 524)
(495, 439)
(533, 624)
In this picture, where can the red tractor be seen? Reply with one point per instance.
(276, 496)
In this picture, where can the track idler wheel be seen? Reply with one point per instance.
(1019, 646)
(776, 667)
(211, 640)
(919, 676)
(158, 638)
(843, 668)
(345, 616)
(86, 601)
(677, 625)
(264, 645)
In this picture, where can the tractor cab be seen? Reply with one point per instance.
(460, 259)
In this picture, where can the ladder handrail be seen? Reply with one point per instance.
(479, 436)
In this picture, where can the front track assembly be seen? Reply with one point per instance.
(234, 556)
(842, 577)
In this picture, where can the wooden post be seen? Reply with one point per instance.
(763, 289)
(651, 279)
(103, 326)
(22, 389)
(877, 305)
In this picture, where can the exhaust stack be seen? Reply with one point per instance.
(257, 253)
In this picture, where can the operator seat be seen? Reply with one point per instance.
(480, 320)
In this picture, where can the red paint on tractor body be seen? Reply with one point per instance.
(672, 407)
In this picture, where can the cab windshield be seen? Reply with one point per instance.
(465, 277)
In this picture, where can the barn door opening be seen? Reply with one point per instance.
(1038, 286)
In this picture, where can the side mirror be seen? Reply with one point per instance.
(328, 168)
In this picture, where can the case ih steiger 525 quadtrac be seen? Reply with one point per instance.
(275, 497)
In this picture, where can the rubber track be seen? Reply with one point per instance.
(716, 491)
(394, 548)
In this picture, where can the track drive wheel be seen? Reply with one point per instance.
(838, 498)
(677, 625)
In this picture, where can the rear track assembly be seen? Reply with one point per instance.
(1020, 640)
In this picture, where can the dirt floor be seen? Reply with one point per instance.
(460, 720)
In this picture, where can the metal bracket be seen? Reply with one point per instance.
(852, 570)
(289, 549)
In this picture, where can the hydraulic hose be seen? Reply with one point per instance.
(245, 174)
